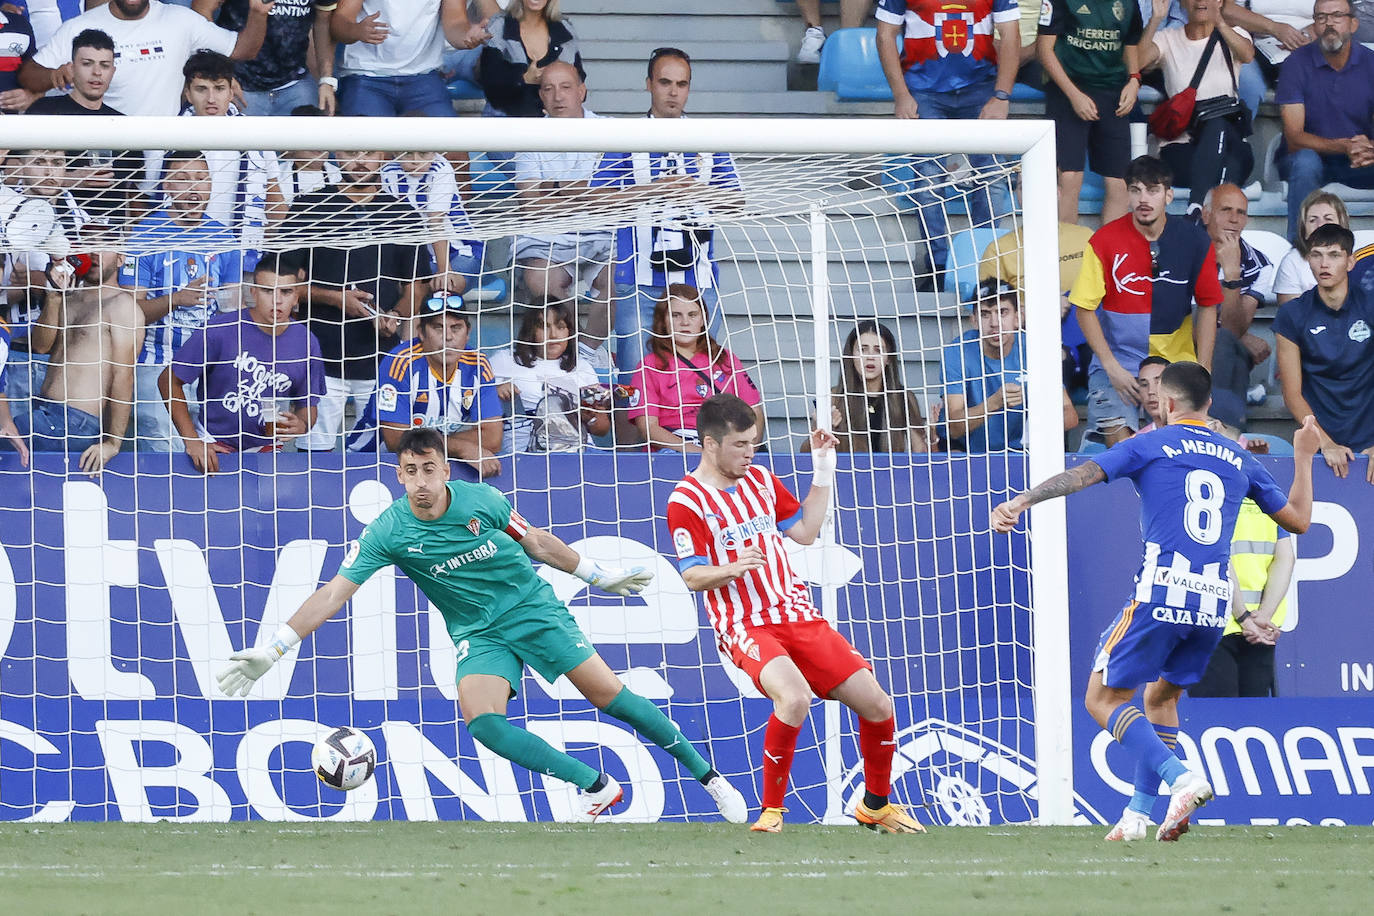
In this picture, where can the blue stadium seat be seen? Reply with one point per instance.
(492, 288)
(965, 249)
(850, 67)
(1020, 92)
(1278, 445)
(464, 89)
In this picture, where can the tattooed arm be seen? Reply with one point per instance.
(1071, 481)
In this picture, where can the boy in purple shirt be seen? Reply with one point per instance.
(261, 374)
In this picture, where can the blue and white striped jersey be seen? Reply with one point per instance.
(1191, 483)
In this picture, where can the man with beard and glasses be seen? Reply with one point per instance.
(1141, 275)
(1326, 99)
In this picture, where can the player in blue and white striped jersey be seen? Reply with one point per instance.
(428, 182)
(1191, 483)
(182, 267)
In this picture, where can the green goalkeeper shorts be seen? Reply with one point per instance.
(544, 637)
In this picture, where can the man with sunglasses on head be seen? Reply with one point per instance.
(1141, 275)
(434, 380)
(686, 188)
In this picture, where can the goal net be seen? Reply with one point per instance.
(157, 310)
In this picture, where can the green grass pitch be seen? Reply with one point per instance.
(622, 870)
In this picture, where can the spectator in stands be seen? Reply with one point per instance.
(259, 373)
(984, 377)
(558, 402)
(554, 267)
(870, 409)
(1326, 360)
(41, 174)
(531, 35)
(182, 267)
(357, 296)
(650, 257)
(279, 77)
(1151, 368)
(101, 180)
(17, 45)
(9, 433)
(301, 171)
(852, 16)
(153, 39)
(1294, 276)
(1001, 260)
(434, 380)
(1089, 55)
(429, 184)
(1134, 296)
(1262, 561)
(685, 366)
(955, 62)
(1326, 99)
(1245, 275)
(243, 183)
(1213, 150)
(391, 56)
(92, 330)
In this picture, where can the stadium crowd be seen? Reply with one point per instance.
(213, 339)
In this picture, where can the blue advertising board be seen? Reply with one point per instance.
(121, 597)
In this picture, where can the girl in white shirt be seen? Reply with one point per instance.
(551, 387)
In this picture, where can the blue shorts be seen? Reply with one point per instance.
(1149, 641)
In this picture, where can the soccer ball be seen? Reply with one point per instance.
(344, 759)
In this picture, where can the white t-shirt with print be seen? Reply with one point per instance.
(1294, 275)
(415, 44)
(149, 53)
(532, 382)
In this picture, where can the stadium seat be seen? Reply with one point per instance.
(850, 67)
(1270, 244)
(463, 89)
(965, 249)
(493, 288)
(1021, 92)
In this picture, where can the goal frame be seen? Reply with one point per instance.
(1032, 141)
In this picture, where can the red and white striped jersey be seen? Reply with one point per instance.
(710, 526)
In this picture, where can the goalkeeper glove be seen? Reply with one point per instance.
(612, 578)
(245, 667)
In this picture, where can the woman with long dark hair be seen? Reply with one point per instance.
(871, 410)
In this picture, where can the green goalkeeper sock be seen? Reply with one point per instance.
(647, 719)
(529, 750)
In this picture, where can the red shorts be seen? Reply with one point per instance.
(824, 657)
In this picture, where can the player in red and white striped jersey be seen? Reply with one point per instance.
(727, 519)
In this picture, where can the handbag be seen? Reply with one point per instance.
(1172, 116)
(1230, 107)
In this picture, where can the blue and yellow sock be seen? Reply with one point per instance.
(1128, 725)
(1147, 780)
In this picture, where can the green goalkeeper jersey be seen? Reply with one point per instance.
(466, 561)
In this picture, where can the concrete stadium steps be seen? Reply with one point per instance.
(718, 66)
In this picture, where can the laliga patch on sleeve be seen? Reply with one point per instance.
(352, 555)
(682, 543)
(386, 397)
(1046, 12)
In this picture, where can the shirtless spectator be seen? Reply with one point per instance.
(92, 329)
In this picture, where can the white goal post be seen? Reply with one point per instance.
(1029, 143)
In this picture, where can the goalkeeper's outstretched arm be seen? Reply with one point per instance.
(549, 548)
(244, 668)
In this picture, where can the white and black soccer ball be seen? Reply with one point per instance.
(344, 759)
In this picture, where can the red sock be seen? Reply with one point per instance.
(877, 747)
(779, 744)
